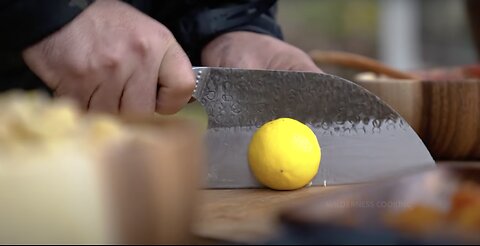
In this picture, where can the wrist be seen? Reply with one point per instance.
(223, 44)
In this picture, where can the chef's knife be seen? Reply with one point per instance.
(362, 139)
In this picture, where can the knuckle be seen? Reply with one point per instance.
(110, 60)
(141, 45)
(163, 34)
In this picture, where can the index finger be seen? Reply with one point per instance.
(176, 80)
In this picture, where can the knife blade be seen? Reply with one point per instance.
(362, 138)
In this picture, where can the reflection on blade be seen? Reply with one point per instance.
(347, 157)
(361, 138)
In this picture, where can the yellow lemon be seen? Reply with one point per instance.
(284, 154)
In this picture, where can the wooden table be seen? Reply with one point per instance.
(249, 216)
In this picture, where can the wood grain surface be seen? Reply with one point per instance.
(250, 216)
(246, 215)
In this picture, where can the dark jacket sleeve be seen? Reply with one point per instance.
(23, 23)
(203, 22)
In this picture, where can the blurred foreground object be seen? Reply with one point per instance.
(441, 104)
(463, 214)
(71, 178)
(430, 206)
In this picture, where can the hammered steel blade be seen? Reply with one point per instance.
(362, 139)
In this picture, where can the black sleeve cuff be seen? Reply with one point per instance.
(197, 28)
(25, 22)
(263, 24)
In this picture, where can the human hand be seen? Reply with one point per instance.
(255, 51)
(116, 59)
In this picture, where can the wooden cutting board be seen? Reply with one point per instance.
(246, 215)
(250, 215)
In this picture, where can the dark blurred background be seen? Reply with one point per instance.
(405, 34)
